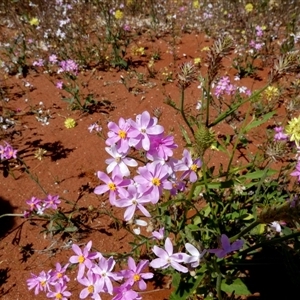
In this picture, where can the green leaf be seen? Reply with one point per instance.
(71, 229)
(259, 174)
(256, 123)
(186, 286)
(237, 286)
(185, 135)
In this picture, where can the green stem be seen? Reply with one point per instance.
(11, 215)
(244, 231)
(219, 280)
(31, 176)
(271, 242)
(191, 191)
(182, 110)
(241, 131)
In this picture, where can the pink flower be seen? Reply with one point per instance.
(161, 147)
(133, 200)
(124, 292)
(38, 63)
(189, 166)
(115, 186)
(60, 292)
(118, 135)
(167, 258)
(134, 273)
(119, 163)
(53, 58)
(159, 235)
(59, 85)
(279, 135)
(52, 202)
(33, 202)
(93, 286)
(142, 129)
(296, 173)
(153, 179)
(104, 269)
(83, 258)
(40, 282)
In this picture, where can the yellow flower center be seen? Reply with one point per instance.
(81, 259)
(90, 289)
(194, 167)
(43, 283)
(112, 186)
(122, 134)
(59, 275)
(156, 181)
(136, 277)
(58, 296)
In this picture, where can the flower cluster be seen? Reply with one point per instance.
(257, 44)
(38, 206)
(7, 152)
(160, 173)
(53, 283)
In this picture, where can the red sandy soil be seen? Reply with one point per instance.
(74, 155)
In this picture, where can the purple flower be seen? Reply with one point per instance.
(279, 135)
(161, 146)
(59, 84)
(115, 186)
(141, 130)
(153, 179)
(118, 135)
(60, 292)
(104, 269)
(40, 282)
(133, 200)
(134, 273)
(124, 292)
(189, 166)
(93, 286)
(118, 164)
(83, 258)
(51, 202)
(296, 173)
(159, 235)
(58, 275)
(95, 127)
(167, 258)
(53, 59)
(7, 152)
(38, 63)
(226, 247)
(69, 66)
(33, 202)
(224, 86)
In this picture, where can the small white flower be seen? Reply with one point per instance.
(275, 226)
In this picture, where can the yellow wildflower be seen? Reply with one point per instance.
(34, 21)
(293, 130)
(197, 61)
(195, 4)
(119, 14)
(70, 123)
(248, 7)
(129, 2)
(206, 48)
(138, 51)
(271, 92)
